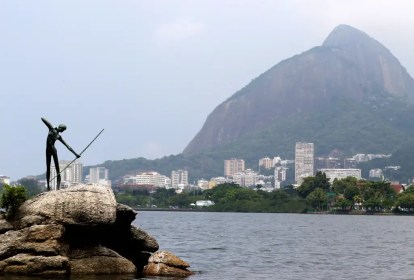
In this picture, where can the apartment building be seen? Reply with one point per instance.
(233, 166)
(304, 161)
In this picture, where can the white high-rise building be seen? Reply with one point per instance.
(70, 174)
(304, 161)
(266, 163)
(99, 175)
(179, 177)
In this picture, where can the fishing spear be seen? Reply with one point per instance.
(79, 155)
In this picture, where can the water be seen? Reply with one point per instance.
(283, 246)
(286, 246)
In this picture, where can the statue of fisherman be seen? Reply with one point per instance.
(52, 136)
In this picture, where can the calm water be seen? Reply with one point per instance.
(284, 246)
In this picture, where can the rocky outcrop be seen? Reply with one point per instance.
(78, 230)
(164, 263)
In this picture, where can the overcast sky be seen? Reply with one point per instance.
(150, 72)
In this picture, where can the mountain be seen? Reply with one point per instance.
(349, 94)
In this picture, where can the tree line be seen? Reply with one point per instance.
(315, 194)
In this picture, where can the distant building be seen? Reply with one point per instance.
(304, 161)
(179, 177)
(147, 179)
(266, 163)
(233, 166)
(203, 184)
(69, 174)
(4, 179)
(217, 181)
(280, 175)
(341, 173)
(99, 175)
(367, 157)
(375, 173)
(350, 163)
(204, 203)
(246, 178)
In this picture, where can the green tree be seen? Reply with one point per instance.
(11, 198)
(343, 203)
(311, 183)
(317, 199)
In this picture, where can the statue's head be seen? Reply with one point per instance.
(61, 128)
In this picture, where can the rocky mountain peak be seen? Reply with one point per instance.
(349, 67)
(345, 35)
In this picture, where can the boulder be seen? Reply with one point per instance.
(164, 263)
(81, 204)
(38, 239)
(27, 264)
(125, 215)
(4, 225)
(80, 230)
(99, 260)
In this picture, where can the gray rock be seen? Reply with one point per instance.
(38, 239)
(142, 241)
(27, 264)
(125, 215)
(80, 204)
(4, 225)
(99, 260)
(79, 230)
(164, 263)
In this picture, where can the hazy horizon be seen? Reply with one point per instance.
(150, 72)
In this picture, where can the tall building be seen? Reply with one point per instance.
(70, 174)
(179, 177)
(99, 175)
(245, 178)
(266, 163)
(233, 166)
(304, 157)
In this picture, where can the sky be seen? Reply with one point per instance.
(150, 72)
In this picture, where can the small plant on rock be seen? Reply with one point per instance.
(12, 198)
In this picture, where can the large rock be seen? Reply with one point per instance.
(99, 260)
(4, 225)
(78, 230)
(28, 264)
(38, 239)
(164, 263)
(80, 204)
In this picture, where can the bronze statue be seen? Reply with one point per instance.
(51, 150)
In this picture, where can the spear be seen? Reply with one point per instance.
(79, 155)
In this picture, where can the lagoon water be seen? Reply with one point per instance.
(283, 246)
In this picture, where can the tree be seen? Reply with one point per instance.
(12, 198)
(311, 183)
(405, 201)
(317, 199)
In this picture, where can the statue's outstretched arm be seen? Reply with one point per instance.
(69, 147)
(48, 124)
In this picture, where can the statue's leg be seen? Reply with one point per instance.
(56, 161)
(48, 160)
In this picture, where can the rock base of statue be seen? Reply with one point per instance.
(78, 230)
